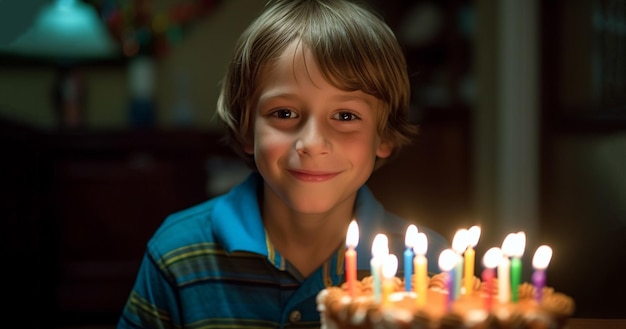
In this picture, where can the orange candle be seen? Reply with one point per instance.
(352, 239)
(421, 268)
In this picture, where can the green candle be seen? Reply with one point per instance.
(516, 265)
(516, 276)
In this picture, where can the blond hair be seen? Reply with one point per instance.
(353, 47)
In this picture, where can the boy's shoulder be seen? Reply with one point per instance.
(183, 228)
(206, 223)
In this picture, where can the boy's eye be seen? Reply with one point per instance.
(345, 116)
(285, 114)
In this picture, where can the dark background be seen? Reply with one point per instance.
(78, 204)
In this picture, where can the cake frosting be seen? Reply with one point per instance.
(339, 310)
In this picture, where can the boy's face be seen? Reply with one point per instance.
(314, 144)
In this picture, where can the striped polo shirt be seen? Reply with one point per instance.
(213, 266)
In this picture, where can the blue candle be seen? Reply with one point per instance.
(459, 245)
(409, 241)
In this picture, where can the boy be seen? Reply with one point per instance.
(315, 99)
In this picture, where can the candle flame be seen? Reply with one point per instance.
(514, 244)
(380, 246)
(474, 235)
(508, 244)
(459, 243)
(411, 235)
(492, 257)
(447, 260)
(542, 257)
(520, 244)
(421, 244)
(390, 266)
(352, 238)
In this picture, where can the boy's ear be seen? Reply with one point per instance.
(384, 149)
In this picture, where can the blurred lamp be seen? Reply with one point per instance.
(66, 29)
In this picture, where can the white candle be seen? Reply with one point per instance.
(504, 269)
(380, 250)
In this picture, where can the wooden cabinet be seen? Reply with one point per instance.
(80, 206)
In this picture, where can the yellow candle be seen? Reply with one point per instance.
(470, 259)
(390, 267)
(421, 268)
(469, 255)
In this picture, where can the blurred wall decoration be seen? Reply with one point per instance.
(151, 26)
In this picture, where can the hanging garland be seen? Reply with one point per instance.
(142, 29)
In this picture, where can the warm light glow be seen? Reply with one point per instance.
(352, 238)
(519, 245)
(390, 266)
(411, 236)
(447, 260)
(459, 243)
(380, 246)
(473, 236)
(492, 257)
(542, 257)
(508, 245)
(421, 244)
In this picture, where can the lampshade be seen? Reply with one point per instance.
(66, 29)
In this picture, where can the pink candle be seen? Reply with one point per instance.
(352, 239)
(504, 269)
(491, 259)
(447, 262)
(541, 259)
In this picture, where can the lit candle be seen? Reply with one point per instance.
(352, 239)
(470, 255)
(541, 259)
(516, 265)
(504, 269)
(459, 244)
(380, 250)
(421, 268)
(409, 242)
(447, 260)
(389, 269)
(491, 259)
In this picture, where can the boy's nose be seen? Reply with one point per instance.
(312, 140)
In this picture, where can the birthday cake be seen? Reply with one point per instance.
(478, 309)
